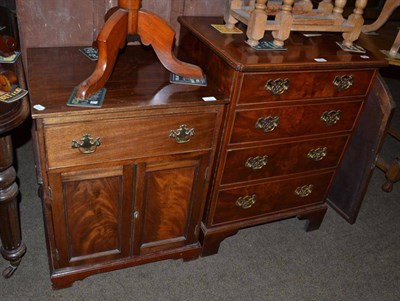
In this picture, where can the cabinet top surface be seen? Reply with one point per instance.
(138, 82)
(300, 54)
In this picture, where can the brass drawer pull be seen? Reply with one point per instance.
(303, 191)
(277, 86)
(256, 162)
(267, 124)
(86, 144)
(317, 154)
(331, 117)
(343, 82)
(182, 135)
(246, 202)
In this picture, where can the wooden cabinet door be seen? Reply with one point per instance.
(169, 202)
(91, 215)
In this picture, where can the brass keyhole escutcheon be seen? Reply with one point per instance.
(317, 154)
(87, 144)
(182, 135)
(343, 82)
(256, 162)
(267, 124)
(331, 117)
(247, 201)
(304, 191)
(277, 86)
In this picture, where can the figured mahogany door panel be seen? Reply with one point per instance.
(91, 214)
(170, 204)
(267, 87)
(129, 138)
(294, 121)
(270, 198)
(282, 159)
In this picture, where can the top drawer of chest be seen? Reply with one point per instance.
(100, 141)
(270, 87)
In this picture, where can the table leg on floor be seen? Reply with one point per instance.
(12, 248)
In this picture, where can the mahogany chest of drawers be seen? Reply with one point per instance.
(289, 122)
(124, 184)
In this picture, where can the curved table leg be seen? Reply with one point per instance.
(10, 232)
(387, 10)
(156, 32)
(111, 38)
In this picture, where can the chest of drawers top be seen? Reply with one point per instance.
(300, 52)
(139, 82)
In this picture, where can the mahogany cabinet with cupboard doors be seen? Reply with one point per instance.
(288, 125)
(124, 184)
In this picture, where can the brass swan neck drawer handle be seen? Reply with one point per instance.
(256, 162)
(317, 154)
(277, 86)
(246, 202)
(331, 117)
(304, 191)
(343, 82)
(87, 144)
(267, 124)
(182, 135)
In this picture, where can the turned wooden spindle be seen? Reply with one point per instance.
(285, 19)
(282, 17)
(125, 20)
(357, 21)
(256, 25)
(326, 6)
(132, 6)
(303, 5)
(11, 248)
(231, 4)
(338, 11)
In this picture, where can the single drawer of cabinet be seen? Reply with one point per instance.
(291, 121)
(114, 140)
(269, 198)
(282, 159)
(267, 87)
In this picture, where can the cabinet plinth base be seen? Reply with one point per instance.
(63, 278)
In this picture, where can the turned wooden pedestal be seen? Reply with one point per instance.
(12, 249)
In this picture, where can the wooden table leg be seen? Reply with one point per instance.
(12, 248)
(126, 20)
(394, 50)
(387, 10)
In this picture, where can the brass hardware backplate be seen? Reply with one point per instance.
(256, 162)
(304, 191)
(331, 117)
(343, 82)
(87, 144)
(317, 154)
(267, 124)
(182, 135)
(247, 201)
(277, 86)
